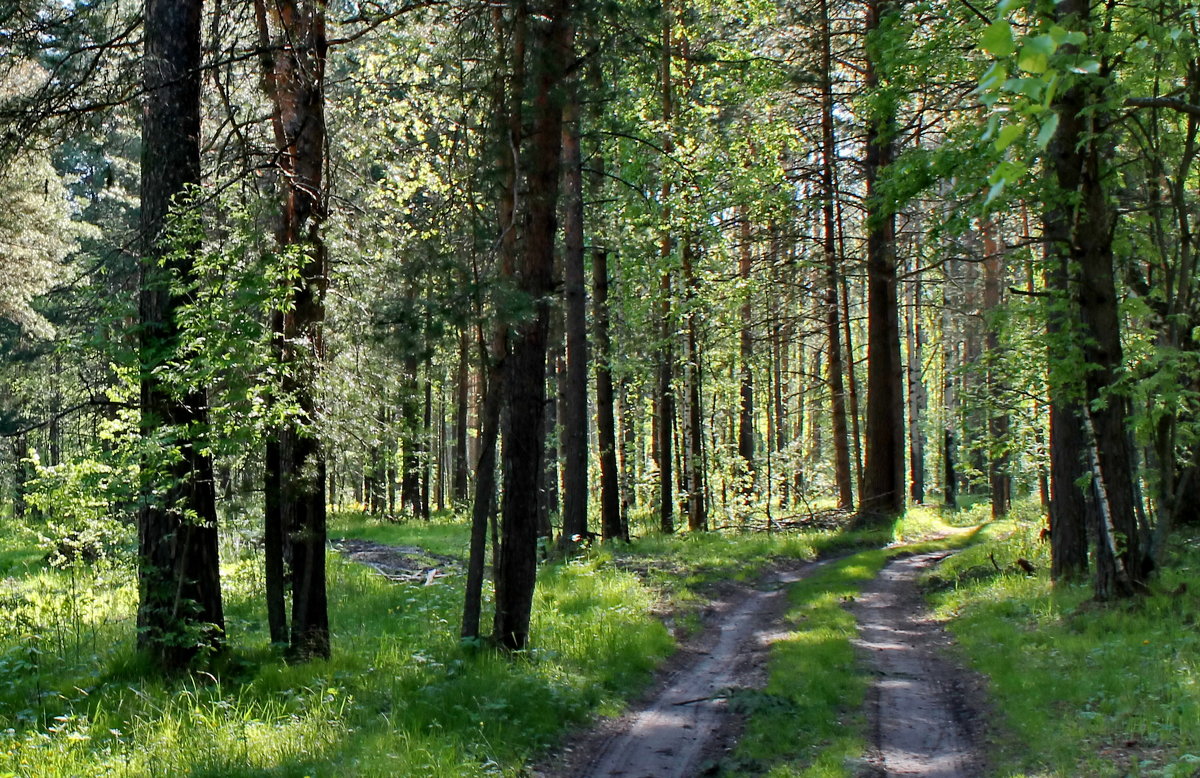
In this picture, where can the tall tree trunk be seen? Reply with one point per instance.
(180, 610)
(665, 396)
(611, 526)
(998, 460)
(294, 54)
(575, 396)
(916, 394)
(746, 366)
(1083, 232)
(461, 405)
(425, 441)
(883, 474)
(525, 374)
(697, 505)
(508, 111)
(410, 457)
(837, 391)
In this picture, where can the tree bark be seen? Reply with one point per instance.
(575, 396)
(998, 424)
(883, 474)
(1082, 229)
(697, 505)
(180, 611)
(837, 391)
(611, 525)
(746, 367)
(525, 371)
(294, 55)
(916, 395)
(461, 391)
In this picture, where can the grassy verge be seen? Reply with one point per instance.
(808, 720)
(1084, 689)
(401, 695)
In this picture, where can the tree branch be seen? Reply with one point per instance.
(1174, 103)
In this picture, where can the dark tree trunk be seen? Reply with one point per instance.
(916, 395)
(508, 111)
(275, 551)
(746, 366)
(459, 489)
(424, 445)
(998, 424)
(837, 391)
(485, 487)
(21, 475)
(548, 483)
(664, 416)
(294, 54)
(697, 505)
(410, 458)
(1081, 223)
(883, 475)
(525, 371)
(179, 609)
(575, 397)
(611, 526)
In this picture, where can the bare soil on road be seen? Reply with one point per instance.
(684, 726)
(925, 710)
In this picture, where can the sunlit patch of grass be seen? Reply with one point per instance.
(705, 557)
(446, 534)
(1085, 689)
(401, 696)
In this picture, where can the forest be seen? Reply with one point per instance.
(410, 387)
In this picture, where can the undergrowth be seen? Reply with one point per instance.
(401, 696)
(1084, 688)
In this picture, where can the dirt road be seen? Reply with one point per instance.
(923, 707)
(686, 724)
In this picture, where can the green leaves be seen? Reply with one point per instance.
(1008, 134)
(1049, 127)
(997, 39)
(1019, 87)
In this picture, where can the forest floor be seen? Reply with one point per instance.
(924, 710)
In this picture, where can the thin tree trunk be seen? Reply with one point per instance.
(837, 391)
(575, 396)
(697, 504)
(461, 404)
(410, 457)
(746, 356)
(665, 412)
(998, 476)
(611, 526)
(916, 394)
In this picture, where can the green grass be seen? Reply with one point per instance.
(808, 721)
(1084, 689)
(400, 697)
(446, 535)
